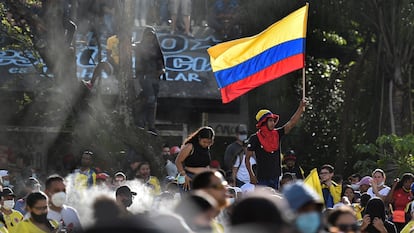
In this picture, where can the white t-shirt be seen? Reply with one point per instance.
(382, 192)
(242, 173)
(69, 216)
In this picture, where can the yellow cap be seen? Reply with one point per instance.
(261, 113)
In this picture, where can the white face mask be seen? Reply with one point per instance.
(242, 137)
(8, 204)
(58, 199)
(355, 187)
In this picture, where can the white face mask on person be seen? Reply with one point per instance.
(242, 137)
(58, 199)
(8, 204)
(355, 187)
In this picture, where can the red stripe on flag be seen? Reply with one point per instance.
(268, 74)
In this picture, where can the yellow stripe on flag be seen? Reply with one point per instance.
(231, 53)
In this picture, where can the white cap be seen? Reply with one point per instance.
(4, 173)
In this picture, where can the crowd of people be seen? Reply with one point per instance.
(257, 188)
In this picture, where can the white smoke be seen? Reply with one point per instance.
(145, 201)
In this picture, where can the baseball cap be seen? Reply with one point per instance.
(290, 154)
(31, 182)
(102, 176)
(4, 173)
(124, 190)
(241, 129)
(7, 192)
(365, 180)
(175, 150)
(299, 194)
(263, 114)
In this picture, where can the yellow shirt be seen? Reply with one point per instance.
(12, 220)
(27, 226)
(85, 179)
(217, 227)
(3, 228)
(408, 227)
(335, 191)
(155, 185)
(112, 43)
(358, 210)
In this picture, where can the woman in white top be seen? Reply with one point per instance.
(378, 187)
(240, 174)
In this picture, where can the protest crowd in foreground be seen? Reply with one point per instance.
(202, 195)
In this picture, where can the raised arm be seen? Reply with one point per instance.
(295, 118)
(390, 196)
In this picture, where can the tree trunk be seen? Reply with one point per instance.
(391, 106)
(400, 119)
(124, 17)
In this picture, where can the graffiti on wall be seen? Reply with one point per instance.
(188, 70)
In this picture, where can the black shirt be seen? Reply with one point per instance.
(199, 157)
(268, 164)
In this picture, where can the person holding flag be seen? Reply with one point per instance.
(265, 143)
(243, 64)
(331, 191)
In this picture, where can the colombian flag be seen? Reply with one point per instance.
(244, 64)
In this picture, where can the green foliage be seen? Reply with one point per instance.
(320, 121)
(20, 35)
(392, 152)
(365, 167)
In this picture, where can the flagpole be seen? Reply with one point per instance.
(303, 83)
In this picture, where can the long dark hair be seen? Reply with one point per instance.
(203, 132)
(405, 177)
(344, 188)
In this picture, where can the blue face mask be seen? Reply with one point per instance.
(6, 182)
(308, 222)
